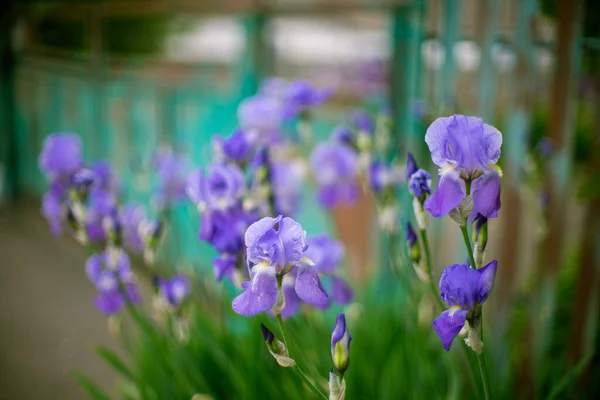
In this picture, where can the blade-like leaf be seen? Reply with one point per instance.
(115, 362)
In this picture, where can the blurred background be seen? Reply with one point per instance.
(132, 75)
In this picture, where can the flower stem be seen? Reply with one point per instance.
(425, 240)
(465, 235)
(484, 376)
(480, 360)
(296, 367)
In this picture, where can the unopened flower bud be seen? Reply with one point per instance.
(412, 243)
(280, 303)
(277, 348)
(460, 213)
(480, 235)
(340, 344)
(420, 215)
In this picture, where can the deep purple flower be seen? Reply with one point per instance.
(340, 344)
(276, 246)
(362, 121)
(419, 183)
(101, 204)
(110, 272)
(235, 148)
(465, 148)
(171, 170)
(463, 289)
(225, 229)
(300, 96)
(411, 165)
(174, 290)
(220, 188)
(224, 266)
(343, 134)
(411, 236)
(335, 168)
(61, 155)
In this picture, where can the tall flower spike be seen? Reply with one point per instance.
(466, 150)
(220, 188)
(277, 348)
(340, 344)
(465, 290)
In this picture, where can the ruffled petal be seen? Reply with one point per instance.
(492, 141)
(448, 325)
(448, 195)
(309, 288)
(293, 238)
(436, 138)
(486, 194)
(260, 295)
(486, 280)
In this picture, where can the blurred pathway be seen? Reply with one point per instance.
(48, 323)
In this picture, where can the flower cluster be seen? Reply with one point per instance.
(85, 199)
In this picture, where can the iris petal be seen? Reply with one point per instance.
(486, 194)
(448, 325)
(450, 192)
(309, 288)
(260, 295)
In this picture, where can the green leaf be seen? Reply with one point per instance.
(570, 376)
(91, 388)
(115, 362)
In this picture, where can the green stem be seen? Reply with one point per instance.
(465, 234)
(482, 369)
(484, 376)
(296, 367)
(425, 241)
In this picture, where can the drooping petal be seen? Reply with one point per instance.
(340, 291)
(448, 195)
(110, 302)
(448, 325)
(325, 252)
(487, 275)
(486, 194)
(260, 295)
(309, 288)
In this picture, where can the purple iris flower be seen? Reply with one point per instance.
(381, 176)
(105, 179)
(276, 246)
(335, 168)
(110, 272)
(419, 183)
(300, 96)
(263, 114)
(174, 290)
(235, 148)
(411, 165)
(343, 134)
(83, 180)
(219, 188)
(224, 266)
(362, 121)
(131, 217)
(101, 204)
(465, 149)
(171, 170)
(225, 229)
(327, 255)
(61, 155)
(464, 289)
(411, 236)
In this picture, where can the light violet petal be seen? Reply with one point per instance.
(486, 194)
(260, 295)
(449, 193)
(309, 288)
(486, 280)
